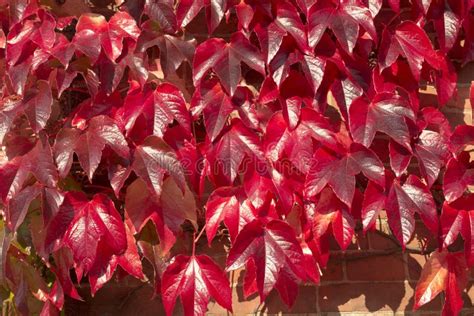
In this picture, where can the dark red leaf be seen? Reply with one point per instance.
(187, 10)
(401, 204)
(462, 136)
(343, 21)
(38, 106)
(167, 212)
(9, 109)
(96, 221)
(225, 59)
(89, 144)
(411, 42)
(18, 206)
(215, 105)
(163, 14)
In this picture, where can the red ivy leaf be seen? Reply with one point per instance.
(38, 161)
(96, 221)
(344, 21)
(152, 160)
(329, 211)
(401, 204)
(373, 203)
(411, 42)
(89, 144)
(458, 176)
(386, 113)
(187, 10)
(233, 146)
(215, 105)
(288, 21)
(458, 218)
(163, 14)
(231, 206)
(442, 272)
(167, 212)
(273, 247)
(462, 136)
(38, 106)
(195, 280)
(339, 172)
(9, 109)
(225, 58)
(94, 32)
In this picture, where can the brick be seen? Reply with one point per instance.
(457, 116)
(305, 303)
(372, 297)
(240, 305)
(362, 297)
(428, 96)
(333, 245)
(458, 110)
(415, 263)
(114, 299)
(236, 277)
(334, 270)
(217, 251)
(376, 268)
(382, 223)
(422, 238)
(379, 242)
(466, 74)
(74, 8)
(359, 242)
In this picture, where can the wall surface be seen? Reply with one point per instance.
(373, 277)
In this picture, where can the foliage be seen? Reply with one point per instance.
(125, 139)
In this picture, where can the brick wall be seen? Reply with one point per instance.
(373, 277)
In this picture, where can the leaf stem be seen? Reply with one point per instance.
(195, 239)
(200, 234)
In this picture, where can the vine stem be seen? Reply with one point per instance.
(200, 234)
(195, 239)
